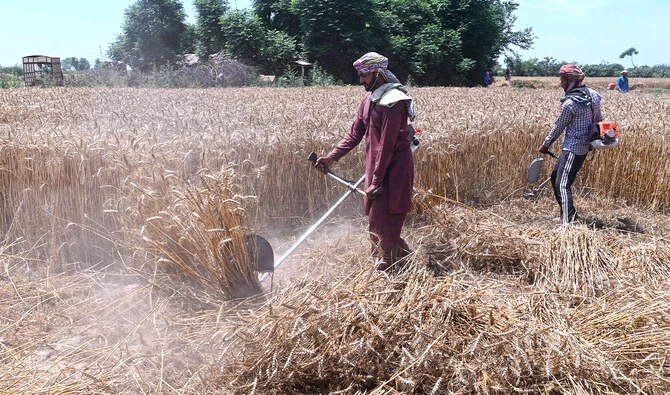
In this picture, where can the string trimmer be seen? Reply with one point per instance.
(260, 250)
(352, 186)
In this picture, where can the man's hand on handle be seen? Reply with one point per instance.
(373, 191)
(543, 149)
(324, 163)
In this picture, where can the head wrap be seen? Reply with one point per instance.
(574, 74)
(372, 61)
(624, 72)
(571, 72)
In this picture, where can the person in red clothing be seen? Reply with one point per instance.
(382, 119)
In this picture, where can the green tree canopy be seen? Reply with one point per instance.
(629, 52)
(433, 42)
(153, 35)
(337, 32)
(73, 63)
(428, 42)
(209, 31)
(270, 51)
(244, 35)
(419, 45)
(278, 15)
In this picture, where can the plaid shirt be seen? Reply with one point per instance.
(576, 118)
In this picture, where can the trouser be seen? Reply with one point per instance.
(562, 178)
(385, 237)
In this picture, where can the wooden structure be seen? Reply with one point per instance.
(40, 67)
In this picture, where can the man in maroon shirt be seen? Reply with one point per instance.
(382, 120)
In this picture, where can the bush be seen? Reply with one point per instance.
(10, 81)
(320, 77)
(16, 71)
(11, 77)
(290, 78)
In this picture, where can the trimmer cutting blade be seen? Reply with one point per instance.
(534, 169)
(533, 191)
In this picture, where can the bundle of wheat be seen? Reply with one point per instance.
(417, 334)
(197, 233)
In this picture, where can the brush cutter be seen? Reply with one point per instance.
(265, 251)
(534, 191)
(260, 250)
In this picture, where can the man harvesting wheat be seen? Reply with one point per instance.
(382, 120)
(580, 109)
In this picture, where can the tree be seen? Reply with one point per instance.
(604, 69)
(629, 52)
(522, 38)
(209, 34)
(73, 63)
(337, 32)
(485, 29)
(419, 45)
(247, 40)
(279, 15)
(437, 42)
(278, 51)
(431, 42)
(244, 35)
(153, 34)
(83, 64)
(190, 39)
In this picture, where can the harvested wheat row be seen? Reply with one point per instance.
(414, 334)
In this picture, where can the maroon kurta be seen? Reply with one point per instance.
(388, 163)
(388, 157)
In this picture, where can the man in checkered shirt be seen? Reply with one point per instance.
(581, 108)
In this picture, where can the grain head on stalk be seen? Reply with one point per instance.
(197, 233)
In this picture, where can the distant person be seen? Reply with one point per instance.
(508, 75)
(581, 107)
(487, 79)
(382, 120)
(622, 82)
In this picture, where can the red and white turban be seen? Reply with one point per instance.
(571, 72)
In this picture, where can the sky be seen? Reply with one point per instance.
(67, 28)
(587, 31)
(596, 31)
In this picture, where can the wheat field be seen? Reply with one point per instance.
(125, 267)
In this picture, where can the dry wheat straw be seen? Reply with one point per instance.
(497, 299)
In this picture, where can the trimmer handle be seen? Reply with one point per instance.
(553, 155)
(313, 157)
(377, 192)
